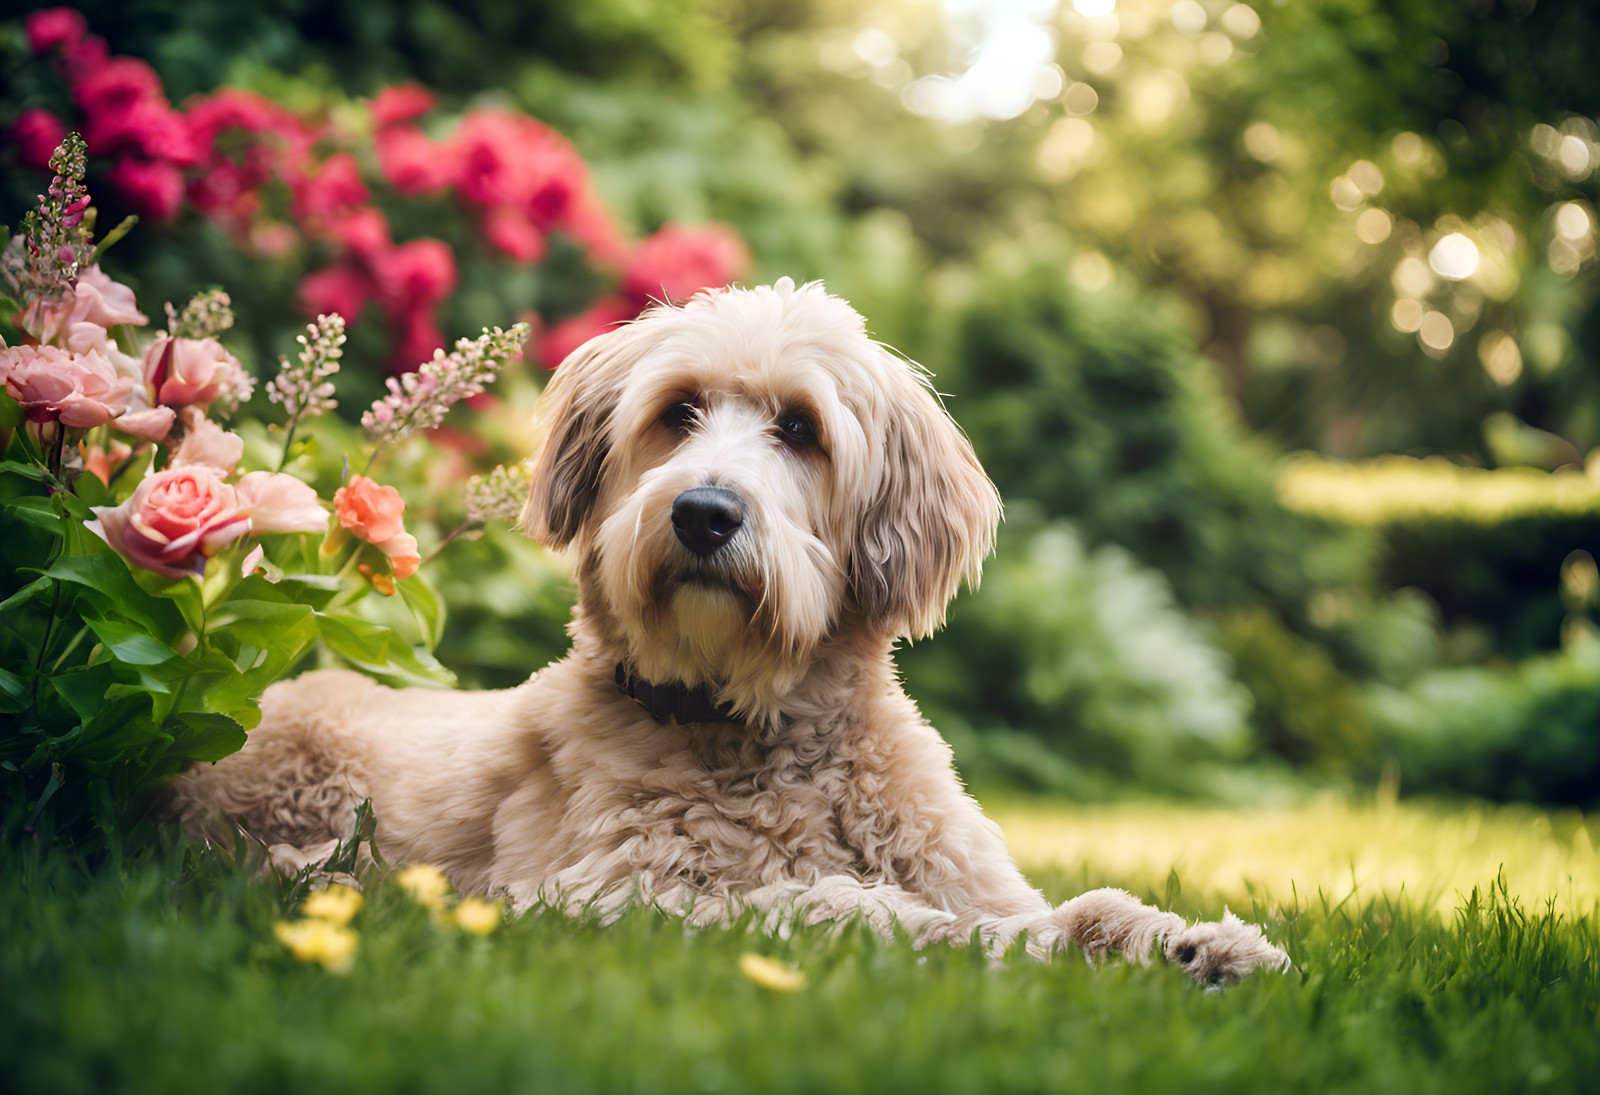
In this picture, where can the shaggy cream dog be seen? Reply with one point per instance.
(760, 501)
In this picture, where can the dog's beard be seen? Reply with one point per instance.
(745, 621)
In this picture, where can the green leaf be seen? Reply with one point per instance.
(14, 693)
(17, 467)
(426, 608)
(11, 414)
(105, 573)
(36, 511)
(110, 239)
(130, 643)
(84, 689)
(264, 623)
(36, 588)
(206, 737)
(380, 652)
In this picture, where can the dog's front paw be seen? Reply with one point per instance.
(1223, 952)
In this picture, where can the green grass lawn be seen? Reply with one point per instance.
(165, 976)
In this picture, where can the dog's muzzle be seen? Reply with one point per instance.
(705, 518)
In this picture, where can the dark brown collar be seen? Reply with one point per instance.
(672, 701)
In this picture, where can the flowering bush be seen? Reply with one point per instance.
(161, 582)
(318, 190)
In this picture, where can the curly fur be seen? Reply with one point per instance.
(827, 796)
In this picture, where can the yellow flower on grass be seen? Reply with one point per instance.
(336, 905)
(770, 973)
(478, 916)
(314, 940)
(426, 885)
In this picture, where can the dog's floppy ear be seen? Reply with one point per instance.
(932, 520)
(574, 419)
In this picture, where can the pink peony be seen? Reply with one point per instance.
(417, 272)
(36, 133)
(56, 385)
(364, 231)
(174, 522)
(55, 27)
(277, 502)
(117, 85)
(564, 337)
(372, 512)
(676, 263)
(412, 162)
(149, 127)
(104, 302)
(400, 104)
(513, 233)
(206, 444)
(334, 188)
(182, 371)
(416, 337)
(343, 288)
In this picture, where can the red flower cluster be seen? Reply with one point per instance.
(520, 179)
(125, 114)
(670, 266)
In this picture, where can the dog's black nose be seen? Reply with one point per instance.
(705, 518)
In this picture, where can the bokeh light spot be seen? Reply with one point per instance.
(1454, 257)
(1436, 332)
(1501, 358)
(1263, 141)
(1406, 315)
(1374, 226)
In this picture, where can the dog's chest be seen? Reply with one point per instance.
(751, 822)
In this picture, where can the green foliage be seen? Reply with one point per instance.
(164, 976)
(1529, 732)
(1088, 652)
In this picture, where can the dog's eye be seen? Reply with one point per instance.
(678, 417)
(797, 430)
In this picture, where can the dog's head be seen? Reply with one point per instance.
(744, 476)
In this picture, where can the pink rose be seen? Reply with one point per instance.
(56, 385)
(206, 444)
(105, 302)
(372, 512)
(182, 371)
(417, 272)
(174, 522)
(364, 231)
(149, 423)
(277, 502)
(100, 463)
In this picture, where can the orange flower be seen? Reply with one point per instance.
(372, 512)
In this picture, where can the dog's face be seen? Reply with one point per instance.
(748, 474)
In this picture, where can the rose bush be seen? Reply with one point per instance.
(157, 577)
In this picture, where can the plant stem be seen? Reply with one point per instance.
(457, 531)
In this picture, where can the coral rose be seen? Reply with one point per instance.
(56, 385)
(372, 512)
(182, 371)
(278, 502)
(174, 522)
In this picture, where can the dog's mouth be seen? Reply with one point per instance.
(701, 577)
